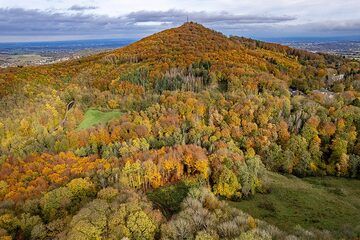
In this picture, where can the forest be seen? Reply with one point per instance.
(92, 148)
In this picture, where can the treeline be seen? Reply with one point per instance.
(233, 131)
(82, 209)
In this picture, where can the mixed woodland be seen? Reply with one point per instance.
(197, 111)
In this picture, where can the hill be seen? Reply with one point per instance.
(179, 48)
(186, 105)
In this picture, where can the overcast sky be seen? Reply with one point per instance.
(35, 20)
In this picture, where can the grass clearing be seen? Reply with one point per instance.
(93, 117)
(318, 202)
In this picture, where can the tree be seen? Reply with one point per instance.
(54, 204)
(273, 157)
(116, 215)
(354, 166)
(27, 224)
(152, 174)
(90, 222)
(80, 189)
(141, 226)
(108, 194)
(9, 222)
(301, 158)
(227, 184)
(339, 147)
(58, 202)
(203, 216)
(3, 189)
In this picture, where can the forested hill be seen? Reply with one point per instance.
(231, 58)
(185, 106)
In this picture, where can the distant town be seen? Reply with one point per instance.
(41, 53)
(33, 59)
(348, 49)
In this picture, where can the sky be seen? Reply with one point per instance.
(48, 20)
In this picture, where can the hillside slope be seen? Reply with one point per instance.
(322, 203)
(179, 48)
(184, 105)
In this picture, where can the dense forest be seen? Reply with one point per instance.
(187, 108)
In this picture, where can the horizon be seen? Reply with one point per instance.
(268, 39)
(72, 40)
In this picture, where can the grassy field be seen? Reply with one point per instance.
(93, 117)
(325, 203)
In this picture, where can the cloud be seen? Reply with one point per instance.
(81, 8)
(21, 22)
(178, 16)
(337, 26)
(314, 29)
(17, 21)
